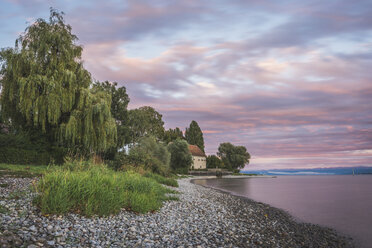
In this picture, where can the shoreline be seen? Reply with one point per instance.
(351, 242)
(203, 217)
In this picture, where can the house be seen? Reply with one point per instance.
(198, 158)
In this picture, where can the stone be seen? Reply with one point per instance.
(51, 242)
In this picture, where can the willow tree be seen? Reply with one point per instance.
(45, 87)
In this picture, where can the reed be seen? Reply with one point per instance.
(90, 189)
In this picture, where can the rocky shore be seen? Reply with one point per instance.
(202, 217)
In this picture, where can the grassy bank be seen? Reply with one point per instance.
(89, 189)
(162, 180)
(15, 170)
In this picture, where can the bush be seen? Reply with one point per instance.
(28, 149)
(89, 189)
(152, 155)
(182, 171)
(120, 159)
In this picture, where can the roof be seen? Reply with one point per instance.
(196, 151)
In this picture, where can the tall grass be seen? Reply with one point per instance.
(89, 189)
(163, 180)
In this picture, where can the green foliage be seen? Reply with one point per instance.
(34, 169)
(45, 87)
(3, 209)
(29, 148)
(172, 135)
(4, 125)
(120, 159)
(194, 135)
(16, 195)
(152, 154)
(214, 162)
(91, 189)
(119, 105)
(233, 157)
(181, 158)
(145, 121)
(163, 180)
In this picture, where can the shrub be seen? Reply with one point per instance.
(27, 148)
(182, 171)
(96, 190)
(151, 154)
(120, 159)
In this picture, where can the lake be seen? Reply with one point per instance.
(342, 202)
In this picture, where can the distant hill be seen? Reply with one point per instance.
(313, 171)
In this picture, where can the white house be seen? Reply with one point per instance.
(198, 158)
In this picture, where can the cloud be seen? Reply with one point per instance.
(289, 80)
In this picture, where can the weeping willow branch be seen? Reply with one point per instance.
(45, 86)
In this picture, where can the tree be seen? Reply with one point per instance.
(214, 162)
(172, 135)
(152, 154)
(145, 121)
(194, 135)
(45, 87)
(181, 158)
(4, 128)
(233, 157)
(119, 111)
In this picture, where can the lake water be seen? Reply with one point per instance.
(341, 202)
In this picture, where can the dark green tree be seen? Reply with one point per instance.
(45, 87)
(145, 121)
(181, 158)
(194, 135)
(214, 162)
(119, 111)
(233, 157)
(152, 154)
(172, 135)
(4, 128)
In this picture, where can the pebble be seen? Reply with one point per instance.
(202, 217)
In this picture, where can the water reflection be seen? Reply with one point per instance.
(341, 202)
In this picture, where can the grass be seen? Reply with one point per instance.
(163, 180)
(3, 210)
(15, 170)
(89, 189)
(16, 195)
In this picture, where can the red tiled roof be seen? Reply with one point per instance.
(196, 151)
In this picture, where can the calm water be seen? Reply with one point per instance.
(341, 202)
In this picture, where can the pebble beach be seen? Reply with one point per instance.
(202, 217)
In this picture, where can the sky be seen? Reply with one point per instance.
(290, 80)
